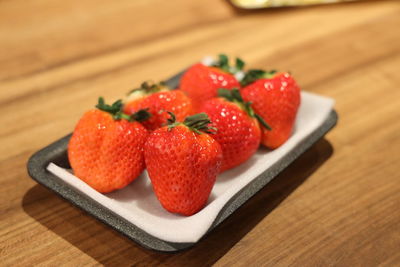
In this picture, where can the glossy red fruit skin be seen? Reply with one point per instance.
(238, 134)
(158, 103)
(277, 101)
(107, 154)
(182, 166)
(201, 83)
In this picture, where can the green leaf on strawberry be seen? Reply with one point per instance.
(255, 74)
(223, 64)
(150, 87)
(235, 97)
(198, 123)
(116, 112)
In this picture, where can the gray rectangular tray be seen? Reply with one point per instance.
(57, 153)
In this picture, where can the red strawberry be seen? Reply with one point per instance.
(157, 99)
(201, 82)
(276, 100)
(238, 132)
(106, 148)
(183, 162)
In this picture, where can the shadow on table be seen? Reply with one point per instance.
(109, 247)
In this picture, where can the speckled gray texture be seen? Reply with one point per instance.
(57, 153)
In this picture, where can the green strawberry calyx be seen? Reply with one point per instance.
(115, 109)
(253, 75)
(198, 123)
(148, 88)
(235, 97)
(223, 64)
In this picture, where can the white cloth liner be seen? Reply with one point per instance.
(138, 204)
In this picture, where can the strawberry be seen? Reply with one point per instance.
(201, 82)
(276, 98)
(106, 148)
(238, 132)
(157, 99)
(183, 162)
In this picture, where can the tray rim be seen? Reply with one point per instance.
(38, 162)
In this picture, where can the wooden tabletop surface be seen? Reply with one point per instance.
(337, 205)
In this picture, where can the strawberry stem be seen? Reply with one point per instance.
(239, 64)
(235, 97)
(150, 87)
(255, 74)
(262, 122)
(112, 109)
(140, 115)
(116, 112)
(198, 123)
(171, 122)
(223, 64)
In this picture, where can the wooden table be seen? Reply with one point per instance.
(337, 205)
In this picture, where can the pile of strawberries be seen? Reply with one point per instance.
(185, 137)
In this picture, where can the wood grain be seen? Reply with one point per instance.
(337, 205)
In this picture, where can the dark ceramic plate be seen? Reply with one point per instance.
(57, 154)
